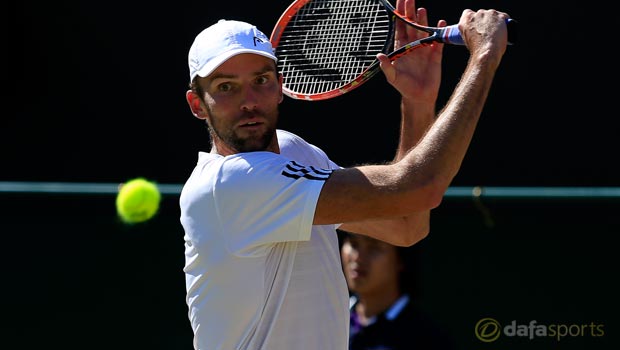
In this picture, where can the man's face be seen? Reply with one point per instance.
(370, 265)
(241, 99)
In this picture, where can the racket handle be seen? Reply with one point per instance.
(452, 34)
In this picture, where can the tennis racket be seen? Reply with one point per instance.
(326, 48)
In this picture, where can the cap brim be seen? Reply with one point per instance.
(216, 62)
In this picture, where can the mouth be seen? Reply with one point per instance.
(249, 121)
(357, 273)
(251, 126)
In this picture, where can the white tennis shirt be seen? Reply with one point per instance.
(259, 275)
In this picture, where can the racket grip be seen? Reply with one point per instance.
(452, 34)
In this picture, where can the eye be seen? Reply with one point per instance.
(262, 79)
(224, 87)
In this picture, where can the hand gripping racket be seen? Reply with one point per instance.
(326, 48)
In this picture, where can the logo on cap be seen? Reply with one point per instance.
(257, 39)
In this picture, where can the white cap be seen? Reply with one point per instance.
(223, 40)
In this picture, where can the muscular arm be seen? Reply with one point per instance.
(417, 77)
(416, 118)
(419, 180)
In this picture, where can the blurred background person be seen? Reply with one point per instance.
(382, 283)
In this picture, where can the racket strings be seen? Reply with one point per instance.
(328, 44)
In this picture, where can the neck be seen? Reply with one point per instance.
(222, 149)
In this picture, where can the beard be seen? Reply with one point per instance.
(253, 143)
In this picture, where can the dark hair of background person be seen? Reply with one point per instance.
(411, 259)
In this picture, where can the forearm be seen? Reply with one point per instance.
(417, 116)
(440, 153)
(418, 181)
(402, 231)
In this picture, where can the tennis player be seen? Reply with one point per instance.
(261, 208)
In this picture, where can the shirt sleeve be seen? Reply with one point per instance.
(263, 198)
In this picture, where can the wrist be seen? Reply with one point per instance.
(418, 107)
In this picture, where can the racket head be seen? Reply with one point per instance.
(327, 48)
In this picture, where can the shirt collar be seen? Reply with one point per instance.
(391, 313)
(397, 307)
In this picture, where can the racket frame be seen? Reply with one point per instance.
(436, 34)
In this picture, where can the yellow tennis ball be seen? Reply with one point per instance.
(137, 200)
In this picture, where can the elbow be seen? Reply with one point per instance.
(415, 237)
(418, 228)
(435, 196)
(422, 232)
(424, 190)
(437, 189)
(432, 193)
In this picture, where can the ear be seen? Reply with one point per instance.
(195, 105)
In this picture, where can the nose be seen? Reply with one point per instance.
(355, 255)
(249, 100)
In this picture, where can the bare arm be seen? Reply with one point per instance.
(418, 181)
(417, 76)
